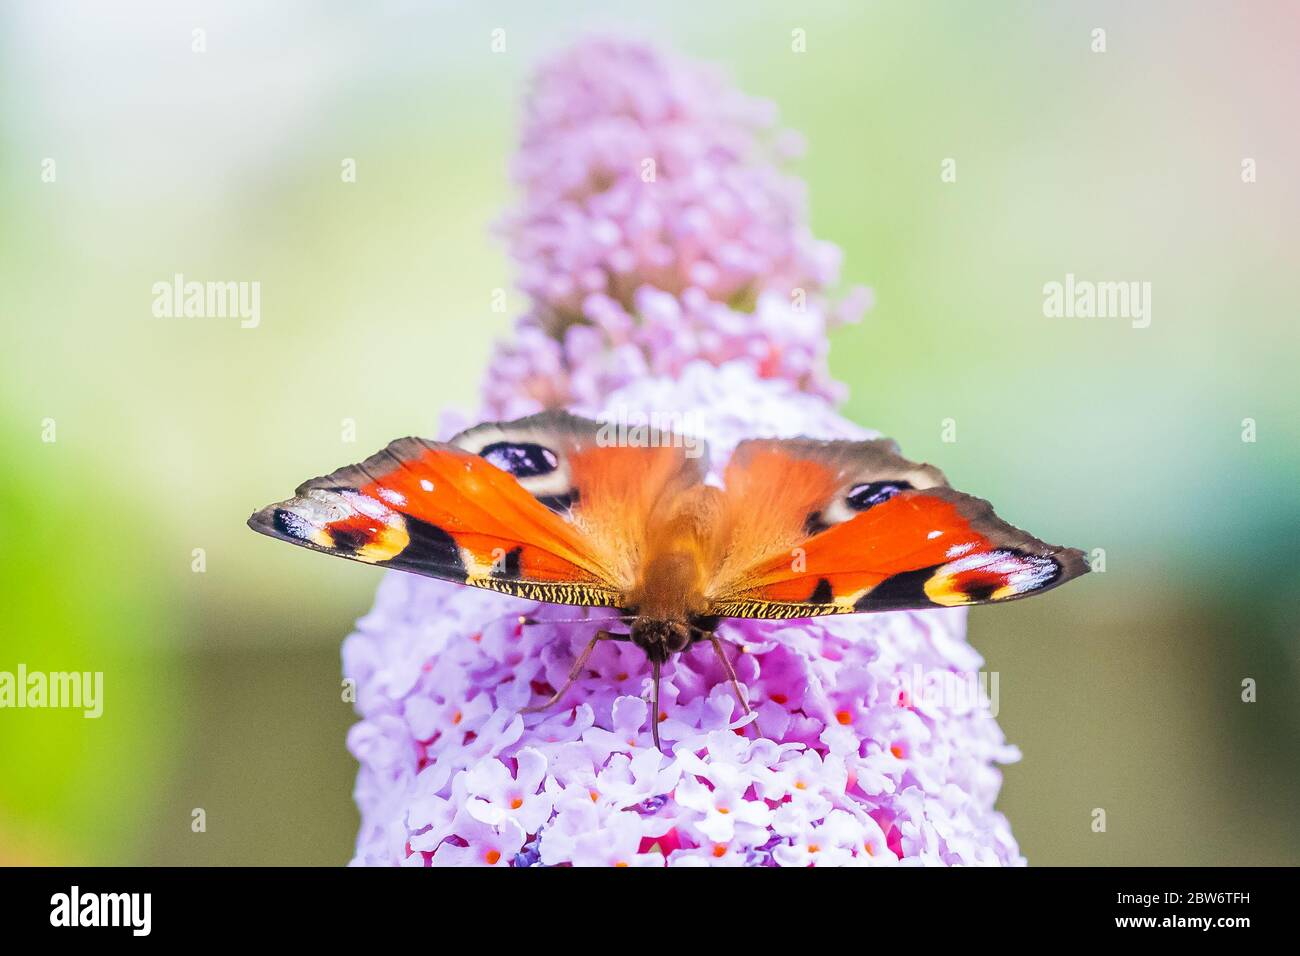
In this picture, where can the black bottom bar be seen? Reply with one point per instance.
(519, 908)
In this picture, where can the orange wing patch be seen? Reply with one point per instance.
(437, 510)
(579, 469)
(881, 533)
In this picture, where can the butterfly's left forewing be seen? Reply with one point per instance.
(438, 510)
(546, 508)
(847, 527)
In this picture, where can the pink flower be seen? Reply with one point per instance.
(616, 842)
(687, 285)
(491, 795)
(835, 840)
(721, 808)
(485, 845)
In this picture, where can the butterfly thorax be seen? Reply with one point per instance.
(673, 573)
(669, 592)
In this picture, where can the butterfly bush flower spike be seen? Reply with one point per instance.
(670, 269)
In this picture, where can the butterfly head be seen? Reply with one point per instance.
(660, 639)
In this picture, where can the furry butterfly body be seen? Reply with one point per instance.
(545, 508)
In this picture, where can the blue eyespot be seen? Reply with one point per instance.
(521, 459)
(872, 493)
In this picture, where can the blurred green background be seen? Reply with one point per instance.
(222, 687)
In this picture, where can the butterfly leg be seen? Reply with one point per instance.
(731, 677)
(576, 671)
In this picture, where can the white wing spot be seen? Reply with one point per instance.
(934, 534)
(426, 484)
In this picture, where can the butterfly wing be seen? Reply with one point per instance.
(814, 528)
(497, 507)
(603, 479)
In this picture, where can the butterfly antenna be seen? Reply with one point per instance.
(526, 621)
(654, 711)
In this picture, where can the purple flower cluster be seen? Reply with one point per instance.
(871, 743)
(657, 229)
